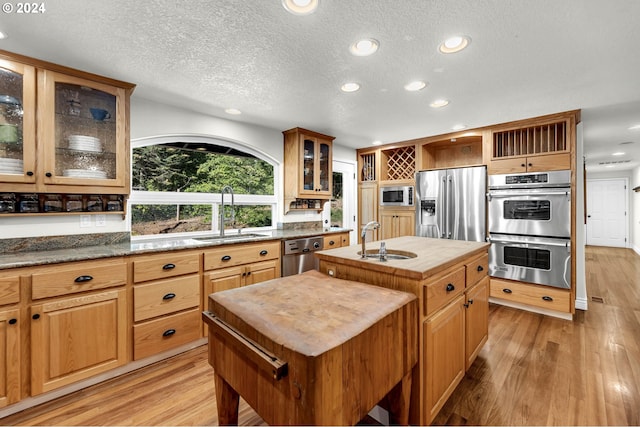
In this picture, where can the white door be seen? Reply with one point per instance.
(341, 212)
(607, 206)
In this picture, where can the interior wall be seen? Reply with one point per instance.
(581, 279)
(634, 203)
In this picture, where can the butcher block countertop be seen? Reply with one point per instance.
(433, 255)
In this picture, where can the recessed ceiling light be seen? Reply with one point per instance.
(300, 7)
(364, 47)
(376, 143)
(454, 44)
(635, 127)
(350, 87)
(3, 35)
(415, 86)
(439, 103)
(609, 166)
(233, 111)
(618, 153)
(459, 127)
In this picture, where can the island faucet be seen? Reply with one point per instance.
(223, 219)
(363, 237)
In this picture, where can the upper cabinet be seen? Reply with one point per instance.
(79, 142)
(307, 165)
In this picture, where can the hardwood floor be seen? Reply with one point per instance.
(534, 370)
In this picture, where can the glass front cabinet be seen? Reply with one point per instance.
(62, 131)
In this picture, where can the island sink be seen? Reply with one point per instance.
(390, 254)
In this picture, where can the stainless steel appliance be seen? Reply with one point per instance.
(396, 196)
(541, 260)
(298, 257)
(451, 203)
(530, 227)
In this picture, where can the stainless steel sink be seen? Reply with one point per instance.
(228, 237)
(392, 254)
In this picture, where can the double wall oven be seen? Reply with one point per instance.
(530, 227)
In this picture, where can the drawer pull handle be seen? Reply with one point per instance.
(169, 296)
(507, 290)
(248, 273)
(547, 298)
(263, 252)
(29, 173)
(450, 287)
(82, 279)
(168, 332)
(13, 321)
(226, 258)
(331, 243)
(480, 268)
(168, 266)
(35, 316)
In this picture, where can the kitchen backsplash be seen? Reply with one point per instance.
(46, 243)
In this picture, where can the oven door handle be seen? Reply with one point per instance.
(524, 193)
(520, 242)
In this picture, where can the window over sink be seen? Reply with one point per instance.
(177, 180)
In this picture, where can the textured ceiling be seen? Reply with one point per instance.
(526, 58)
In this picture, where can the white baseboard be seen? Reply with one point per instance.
(636, 249)
(546, 312)
(582, 304)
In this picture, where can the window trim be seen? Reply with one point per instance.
(164, 198)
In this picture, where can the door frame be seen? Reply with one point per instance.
(627, 243)
(349, 191)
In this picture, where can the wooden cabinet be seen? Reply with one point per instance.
(549, 162)
(333, 241)
(368, 208)
(540, 296)
(476, 320)
(77, 337)
(10, 356)
(71, 136)
(166, 302)
(397, 223)
(307, 165)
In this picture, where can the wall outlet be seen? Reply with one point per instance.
(101, 220)
(85, 221)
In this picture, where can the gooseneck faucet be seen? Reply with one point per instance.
(363, 237)
(223, 219)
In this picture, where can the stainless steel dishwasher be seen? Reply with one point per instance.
(298, 255)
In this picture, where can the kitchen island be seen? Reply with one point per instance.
(449, 279)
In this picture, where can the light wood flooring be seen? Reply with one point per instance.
(534, 370)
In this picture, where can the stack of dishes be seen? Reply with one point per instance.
(84, 173)
(84, 143)
(11, 166)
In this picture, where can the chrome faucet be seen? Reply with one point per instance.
(363, 237)
(223, 219)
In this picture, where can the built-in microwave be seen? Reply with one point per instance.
(396, 196)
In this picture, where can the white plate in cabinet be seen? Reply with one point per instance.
(155, 336)
(160, 267)
(166, 296)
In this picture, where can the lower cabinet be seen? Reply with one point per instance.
(533, 295)
(10, 360)
(396, 223)
(234, 277)
(77, 337)
(166, 332)
(476, 319)
(335, 241)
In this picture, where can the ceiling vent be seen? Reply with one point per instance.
(619, 162)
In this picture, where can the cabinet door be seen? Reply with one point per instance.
(387, 224)
(508, 165)
(476, 320)
(396, 223)
(17, 122)
(308, 168)
(10, 357)
(75, 338)
(444, 355)
(331, 242)
(223, 279)
(406, 223)
(260, 272)
(368, 204)
(323, 182)
(549, 162)
(83, 139)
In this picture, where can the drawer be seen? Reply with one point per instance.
(477, 269)
(332, 242)
(232, 255)
(535, 295)
(156, 336)
(166, 296)
(439, 293)
(165, 265)
(9, 289)
(77, 277)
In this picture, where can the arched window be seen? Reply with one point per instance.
(177, 183)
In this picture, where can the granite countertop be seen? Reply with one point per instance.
(136, 247)
(433, 255)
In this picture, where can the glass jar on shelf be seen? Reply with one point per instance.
(29, 203)
(7, 203)
(52, 203)
(114, 203)
(73, 203)
(94, 203)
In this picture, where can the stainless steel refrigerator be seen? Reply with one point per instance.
(451, 203)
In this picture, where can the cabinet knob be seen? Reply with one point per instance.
(169, 296)
(547, 298)
(35, 316)
(331, 243)
(13, 321)
(48, 174)
(29, 173)
(450, 287)
(529, 164)
(480, 268)
(263, 252)
(168, 266)
(82, 279)
(522, 165)
(248, 273)
(226, 258)
(168, 332)
(507, 290)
